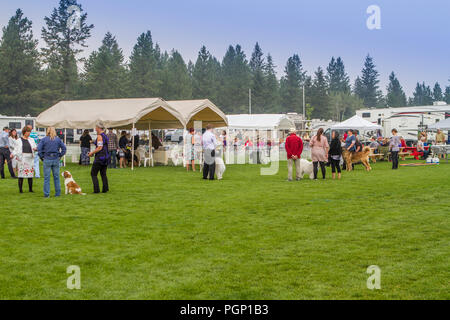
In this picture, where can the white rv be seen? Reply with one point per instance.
(407, 120)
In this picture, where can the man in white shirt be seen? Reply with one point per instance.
(209, 145)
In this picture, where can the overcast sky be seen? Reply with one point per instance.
(414, 39)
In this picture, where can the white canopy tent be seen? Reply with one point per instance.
(141, 114)
(200, 110)
(442, 125)
(356, 123)
(260, 122)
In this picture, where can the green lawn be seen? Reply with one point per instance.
(162, 233)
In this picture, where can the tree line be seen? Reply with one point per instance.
(32, 80)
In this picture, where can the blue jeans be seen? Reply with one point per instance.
(51, 166)
(37, 172)
(113, 163)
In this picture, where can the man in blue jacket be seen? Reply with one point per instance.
(51, 149)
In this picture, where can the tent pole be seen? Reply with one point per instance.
(184, 148)
(65, 143)
(150, 142)
(132, 148)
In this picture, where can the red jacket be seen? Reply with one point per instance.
(294, 146)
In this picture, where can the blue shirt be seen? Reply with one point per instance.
(4, 139)
(349, 141)
(51, 149)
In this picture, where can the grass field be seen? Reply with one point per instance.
(162, 233)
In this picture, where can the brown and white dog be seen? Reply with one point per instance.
(71, 186)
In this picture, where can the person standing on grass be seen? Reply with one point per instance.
(101, 160)
(294, 149)
(394, 147)
(335, 154)
(51, 149)
(13, 140)
(35, 137)
(190, 152)
(123, 142)
(209, 146)
(319, 152)
(112, 148)
(85, 145)
(5, 154)
(24, 154)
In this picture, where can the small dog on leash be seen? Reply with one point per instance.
(306, 167)
(220, 168)
(71, 186)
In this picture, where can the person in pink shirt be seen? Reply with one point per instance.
(319, 152)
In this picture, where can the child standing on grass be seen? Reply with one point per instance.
(394, 147)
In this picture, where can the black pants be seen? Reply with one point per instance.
(322, 167)
(394, 157)
(96, 168)
(5, 155)
(30, 184)
(335, 166)
(209, 166)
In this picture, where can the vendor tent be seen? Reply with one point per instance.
(200, 110)
(442, 125)
(356, 123)
(113, 113)
(260, 122)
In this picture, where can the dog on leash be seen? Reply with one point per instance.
(306, 167)
(220, 167)
(71, 186)
(355, 157)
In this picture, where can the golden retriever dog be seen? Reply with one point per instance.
(355, 157)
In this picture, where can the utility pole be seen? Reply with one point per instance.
(250, 101)
(304, 107)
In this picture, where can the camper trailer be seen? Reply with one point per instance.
(407, 120)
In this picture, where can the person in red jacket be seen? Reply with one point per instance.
(294, 149)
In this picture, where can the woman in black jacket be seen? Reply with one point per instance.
(335, 154)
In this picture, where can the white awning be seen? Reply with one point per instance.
(356, 123)
(442, 125)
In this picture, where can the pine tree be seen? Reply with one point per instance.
(105, 71)
(271, 92)
(319, 96)
(437, 92)
(236, 81)
(344, 105)
(396, 97)
(145, 68)
(20, 69)
(291, 83)
(64, 42)
(206, 77)
(447, 95)
(367, 87)
(177, 83)
(257, 66)
(422, 95)
(337, 78)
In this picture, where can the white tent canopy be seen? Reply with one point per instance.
(260, 122)
(356, 123)
(113, 113)
(442, 125)
(200, 110)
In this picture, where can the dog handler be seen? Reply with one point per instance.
(51, 149)
(294, 149)
(101, 160)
